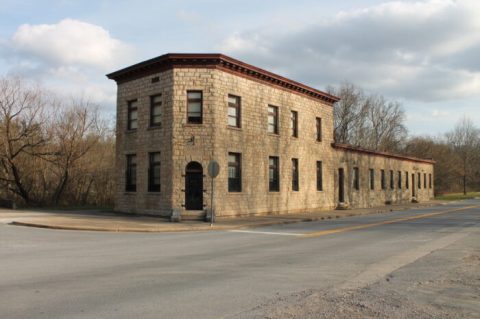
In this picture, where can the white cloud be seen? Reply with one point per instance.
(421, 50)
(69, 42)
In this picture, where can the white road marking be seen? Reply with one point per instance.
(263, 232)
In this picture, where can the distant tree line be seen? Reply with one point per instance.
(53, 151)
(372, 122)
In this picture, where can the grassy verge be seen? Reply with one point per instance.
(458, 196)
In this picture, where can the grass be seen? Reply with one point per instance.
(457, 196)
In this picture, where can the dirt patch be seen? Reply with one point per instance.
(444, 289)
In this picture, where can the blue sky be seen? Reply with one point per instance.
(422, 53)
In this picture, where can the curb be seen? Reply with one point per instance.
(199, 228)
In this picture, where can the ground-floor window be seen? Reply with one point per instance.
(273, 174)
(295, 186)
(372, 179)
(406, 180)
(154, 172)
(399, 180)
(319, 176)
(382, 172)
(356, 178)
(131, 173)
(234, 172)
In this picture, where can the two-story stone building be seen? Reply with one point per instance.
(273, 138)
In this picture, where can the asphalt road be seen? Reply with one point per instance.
(222, 274)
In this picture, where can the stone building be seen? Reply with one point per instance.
(273, 138)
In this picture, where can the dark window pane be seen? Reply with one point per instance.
(131, 173)
(234, 172)
(154, 172)
(194, 107)
(294, 123)
(319, 129)
(272, 119)
(356, 178)
(319, 176)
(156, 110)
(132, 115)
(273, 174)
(234, 111)
(295, 185)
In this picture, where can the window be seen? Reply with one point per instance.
(132, 115)
(294, 123)
(372, 179)
(154, 172)
(424, 180)
(194, 107)
(234, 111)
(383, 179)
(131, 174)
(234, 172)
(419, 181)
(272, 119)
(273, 174)
(356, 179)
(319, 176)
(399, 180)
(156, 110)
(295, 186)
(429, 180)
(406, 180)
(319, 129)
(392, 185)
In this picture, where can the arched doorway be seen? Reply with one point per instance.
(194, 186)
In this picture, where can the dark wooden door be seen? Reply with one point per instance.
(194, 186)
(341, 185)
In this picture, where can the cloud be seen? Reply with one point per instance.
(69, 42)
(420, 50)
(70, 57)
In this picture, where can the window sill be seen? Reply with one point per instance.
(192, 124)
(131, 131)
(150, 193)
(273, 135)
(153, 128)
(234, 128)
(235, 193)
(129, 193)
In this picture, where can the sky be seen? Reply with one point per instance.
(425, 54)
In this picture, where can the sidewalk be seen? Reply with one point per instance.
(101, 221)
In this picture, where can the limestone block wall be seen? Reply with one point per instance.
(365, 196)
(255, 145)
(142, 141)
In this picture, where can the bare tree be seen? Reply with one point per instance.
(465, 141)
(22, 133)
(368, 121)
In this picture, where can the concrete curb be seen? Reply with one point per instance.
(173, 227)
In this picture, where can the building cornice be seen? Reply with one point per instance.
(356, 149)
(221, 62)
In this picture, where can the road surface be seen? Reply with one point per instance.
(304, 270)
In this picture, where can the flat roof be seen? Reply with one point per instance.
(221, 62)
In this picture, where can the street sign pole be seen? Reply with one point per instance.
(213, 170)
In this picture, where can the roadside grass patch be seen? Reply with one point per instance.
(457, 196)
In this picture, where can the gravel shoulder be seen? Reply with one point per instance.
(442, 284)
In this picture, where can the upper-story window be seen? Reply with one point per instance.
(156, 110)
(319, 129)
(234, 172)
(194, 107)
(294, 123)
(131, 173)
(234, 111)
(132, 115)
(272, 119)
